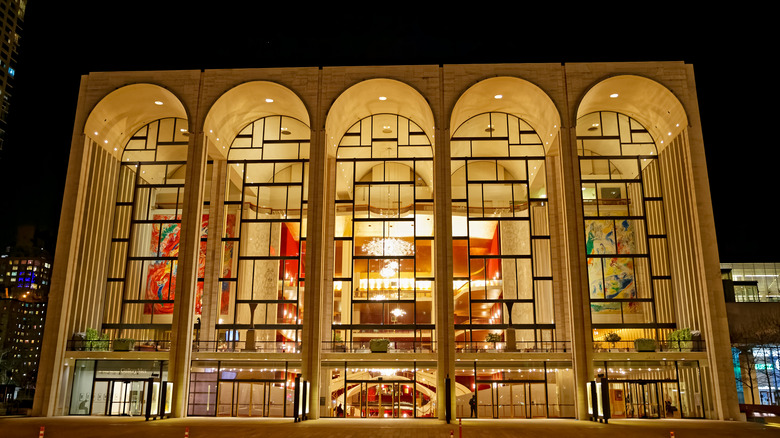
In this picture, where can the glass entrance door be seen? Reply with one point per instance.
(251, 399)
(376, 399)
(119, 397)
(641, 400)
(512, 399)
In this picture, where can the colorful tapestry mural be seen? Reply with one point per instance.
(612, 277)
(227, 264)
(161, 275)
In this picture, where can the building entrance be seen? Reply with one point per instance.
(252, 399)
(512, 399)
(644, 399)
(380, 399)
(119, 397)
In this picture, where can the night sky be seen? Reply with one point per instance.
(729, 51)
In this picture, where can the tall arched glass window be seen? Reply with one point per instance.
(630, 285)
(264, 236)
(147, 224)
(501, 239)
(383, 255)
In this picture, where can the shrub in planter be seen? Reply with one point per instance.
(379, 345)
(680, 340)
(124, 344)
(644, 344)
(95, 341)
(612, 338)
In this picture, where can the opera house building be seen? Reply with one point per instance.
(422, 241)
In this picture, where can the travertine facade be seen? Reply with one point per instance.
(492, 222)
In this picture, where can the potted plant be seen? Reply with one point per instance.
(124, 344)
(680, 339)
(493, 337)
(379, 345)
(338, 343)
(644, 344)
(612, 338)
(95, 341)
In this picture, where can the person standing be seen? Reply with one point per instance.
(473, 404)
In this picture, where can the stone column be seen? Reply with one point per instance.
(50, 367)
(319, 191)
(187, 275)
(573, 252)
(443, 299)
(212, 290)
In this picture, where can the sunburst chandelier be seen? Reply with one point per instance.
(389, 246)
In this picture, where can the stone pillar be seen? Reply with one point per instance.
(50, 367)
(574, 252)
(212, 290)
(320, 189)
(187, 275)
(443, 299)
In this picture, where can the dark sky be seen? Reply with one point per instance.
(729, 50)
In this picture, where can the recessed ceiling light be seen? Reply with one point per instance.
(382, 98)
(613, 95)
(498, 96)
(158, 102)
(96, 133)
(269, 100)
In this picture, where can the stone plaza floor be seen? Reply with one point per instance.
(88, 427)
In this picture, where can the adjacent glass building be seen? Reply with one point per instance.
(401, 242)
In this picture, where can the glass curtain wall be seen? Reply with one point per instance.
(145, 241)
(501, 238)
(377, 390)
(514, 390)
(264, 237)
(383, 244)
(630, 285)
(245, 389)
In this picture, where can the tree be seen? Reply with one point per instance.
(746, 337)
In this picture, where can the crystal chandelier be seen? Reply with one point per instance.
(389, 246)
(398, 312)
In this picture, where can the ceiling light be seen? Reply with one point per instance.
(269, 100)
(382, 98)
(158, 102)
(498, 96)
(613, 95)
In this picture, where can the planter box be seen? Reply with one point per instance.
(124, 344)
(379, 345)
(644, 344)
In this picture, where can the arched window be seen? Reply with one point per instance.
(501, 239)
(630, 286)
(147, 224)
(383, 259)
(264, 236)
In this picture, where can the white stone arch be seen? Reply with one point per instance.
(645, 100)
(372, 97)
(513, 96)
(242, 105)
(118, 115)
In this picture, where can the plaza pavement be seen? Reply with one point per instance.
(120, 427)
